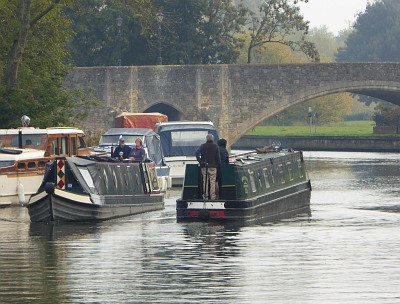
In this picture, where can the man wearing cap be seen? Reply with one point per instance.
(121, 149)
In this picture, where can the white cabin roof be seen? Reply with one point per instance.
(49, 131)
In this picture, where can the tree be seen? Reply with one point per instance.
(32, 61)
(192, 32)
(99, 41)
(375, 38)
(201, 31)
(376, 34)
(387, 114)
(279, 21)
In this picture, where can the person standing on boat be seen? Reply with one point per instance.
(208, 157)
(224, 155)
(122, 151)
(138, 153)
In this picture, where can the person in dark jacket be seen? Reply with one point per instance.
(208, 157)
(222, 151)
(122, 151)
(138, 153)
(224, 155)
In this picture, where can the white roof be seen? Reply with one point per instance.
(26, 154)
(29, 130)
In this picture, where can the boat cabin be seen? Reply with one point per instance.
(54, 141)
(180, 141)
(151, 142)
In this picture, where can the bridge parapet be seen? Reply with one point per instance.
(234, 97)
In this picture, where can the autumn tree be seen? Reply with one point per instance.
(280, 21)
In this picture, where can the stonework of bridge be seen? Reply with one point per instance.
(234, 97)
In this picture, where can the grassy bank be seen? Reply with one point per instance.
(346, 128)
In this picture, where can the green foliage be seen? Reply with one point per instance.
(98, 40)
(376, 35)
(375, 38)
(387, 114)
(33, 67)
(190, 32)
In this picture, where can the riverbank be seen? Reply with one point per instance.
(322, 143)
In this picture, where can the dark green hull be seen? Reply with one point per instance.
(255, 189)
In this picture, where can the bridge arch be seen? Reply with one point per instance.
(234, 97)
(166, 109)
(382, 90)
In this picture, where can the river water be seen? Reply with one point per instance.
(347, 251)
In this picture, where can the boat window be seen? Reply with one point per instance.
(54, 147)
(87, 177)
(41, 164)
(81, 143)
(27, 140)
(31, 165)
(113, 139)
(252, 181)
(290, 170)
(266, 178)
(64, 145)
(281, 173)
(21, 166)
(188, 138)
(6, 163)
(300, 166)
(73, 145)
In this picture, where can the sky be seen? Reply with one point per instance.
(337, 15)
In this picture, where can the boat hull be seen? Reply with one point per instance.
(177, 167)
(270, 207)
(255, 188)
(65, 206)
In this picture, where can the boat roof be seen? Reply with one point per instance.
(184, 125)
(253, 157)
(20, 154)
(49, 131)
(130, 131)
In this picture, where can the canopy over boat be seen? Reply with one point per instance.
(183, 138)
(151, 141)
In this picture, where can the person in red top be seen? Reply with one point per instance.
(208, 157)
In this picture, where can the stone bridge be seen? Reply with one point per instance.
(234, 97)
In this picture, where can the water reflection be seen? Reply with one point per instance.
(54, 231)
(345, 253)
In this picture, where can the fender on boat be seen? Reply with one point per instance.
(21, 193)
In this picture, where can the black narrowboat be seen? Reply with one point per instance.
(256, 188)
(95, 188)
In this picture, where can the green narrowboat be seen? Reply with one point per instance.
(255, 188)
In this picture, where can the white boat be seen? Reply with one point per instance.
(151, 144)
(24, 153)
(180, 141)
